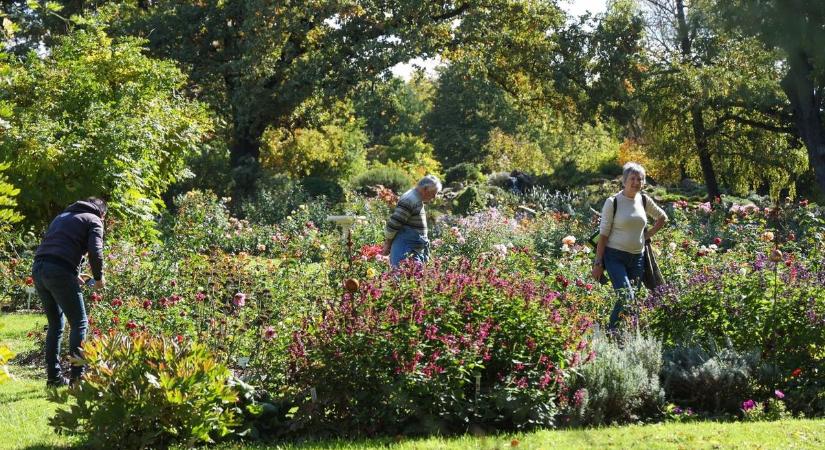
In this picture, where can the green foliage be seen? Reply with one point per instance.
(333, 152)
(331, 190)
(466, 108)
(392, 107)
(97, 117)
(470, 200)
(504, 152)
(710, 381)
(620, 383)
(392, 178)
(8, 215)
(274, 200)
(410, 154)
(142, 391)
(465, 172)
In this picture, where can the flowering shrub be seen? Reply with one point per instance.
(141, 391)
(435, 348)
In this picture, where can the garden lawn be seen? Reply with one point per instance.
(24, 413)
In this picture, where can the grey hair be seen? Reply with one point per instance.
(633, 167)
(430, 180)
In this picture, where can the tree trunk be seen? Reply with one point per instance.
(799, 87)
(697, 116)
(700, 136)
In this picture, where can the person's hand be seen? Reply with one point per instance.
(100, 284)
(387, 248)
(597, 272)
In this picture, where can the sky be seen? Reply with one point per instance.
(574, 7)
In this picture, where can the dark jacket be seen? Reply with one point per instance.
(74, 232)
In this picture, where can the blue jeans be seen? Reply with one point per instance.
(60, 294)
(408, 243)
(624, 269)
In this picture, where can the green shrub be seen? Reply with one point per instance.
(620, 383)
(464, 173)
(276, 198)
(146, 392)
(470, 200)
(710, 381)
(317, 187)
(391, 178)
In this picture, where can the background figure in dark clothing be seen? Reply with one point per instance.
(78, 230)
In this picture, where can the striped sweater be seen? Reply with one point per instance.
(409, 212)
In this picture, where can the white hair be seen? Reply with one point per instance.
(633, 167)
(430, 180)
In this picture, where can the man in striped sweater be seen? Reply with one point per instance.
(406, 230)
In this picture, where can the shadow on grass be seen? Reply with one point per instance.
(7, 398)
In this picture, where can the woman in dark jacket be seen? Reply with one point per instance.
(78, 230)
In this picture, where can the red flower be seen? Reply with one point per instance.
(29, 281)
(117, 302)
(717, 241)
(179, 338)
(131, 325)
(147, 304)
(796, 372)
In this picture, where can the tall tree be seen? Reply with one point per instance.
(96, 116)
(261, 60)
(797, 29)
(716, 96)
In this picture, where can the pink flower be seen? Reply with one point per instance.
(748, 405)
(200, 296)
(779, 394)
(269, 333)
(239, 300)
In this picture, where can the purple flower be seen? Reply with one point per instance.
(239, 299)
(779, 394)
(748, 405)
(677, 410)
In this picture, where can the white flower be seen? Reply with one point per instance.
(713, 247)
(568, 240)
(671, 247)
(586, 250)
(743, 271)
(565, 248)
(500, 249)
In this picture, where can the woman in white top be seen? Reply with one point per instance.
(622, 235)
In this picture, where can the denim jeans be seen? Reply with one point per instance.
(60, 294)
(624, 269)
(408, 243)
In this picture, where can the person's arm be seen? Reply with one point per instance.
(598, 262)
(605, 227)
(95, 246)
(659, 214)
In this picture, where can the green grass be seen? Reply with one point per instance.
(14, 327)
(25, 410)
